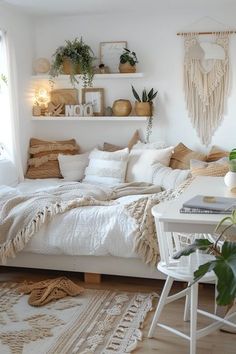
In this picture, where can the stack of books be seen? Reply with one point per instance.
(202, 204)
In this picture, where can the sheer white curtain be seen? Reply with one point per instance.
(9, 115)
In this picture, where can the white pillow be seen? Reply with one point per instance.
(154, 145)
(72, 167)
(107, 167)
(8, 173)
(141, 160)
(168, 178)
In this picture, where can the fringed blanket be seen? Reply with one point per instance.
(21, 216)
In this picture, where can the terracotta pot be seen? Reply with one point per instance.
(69, 68)
(143, 108)
(127, 68)
(121, 108)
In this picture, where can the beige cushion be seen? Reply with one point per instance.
(217, 168)
(111, 147)
(182, 156)
(43, 160)
(216, 154)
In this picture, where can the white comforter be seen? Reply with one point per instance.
(96, 230)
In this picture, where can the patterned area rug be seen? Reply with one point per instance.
(98, 321)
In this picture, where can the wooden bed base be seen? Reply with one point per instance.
(92, 266)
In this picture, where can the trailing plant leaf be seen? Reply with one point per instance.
(198, 244)
(135, 94)
(232, 155)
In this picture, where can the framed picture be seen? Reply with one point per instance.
(95, 96)
(110, 53)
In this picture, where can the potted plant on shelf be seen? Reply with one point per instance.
(224, 265)
(230, 177)
(75, 57)
(128, 61)
(144, 107)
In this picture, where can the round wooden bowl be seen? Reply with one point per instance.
(121, 108)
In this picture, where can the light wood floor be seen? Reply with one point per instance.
(164, 342)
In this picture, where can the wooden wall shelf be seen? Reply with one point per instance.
(96, 76)
(88, 119)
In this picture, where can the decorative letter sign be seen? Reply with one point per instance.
(80, 110)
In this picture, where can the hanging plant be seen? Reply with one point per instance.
(75, 57)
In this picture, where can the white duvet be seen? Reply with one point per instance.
(96, 230)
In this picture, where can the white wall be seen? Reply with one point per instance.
(160, 52)
(20, 29)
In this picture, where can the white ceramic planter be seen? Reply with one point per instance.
(230, 180)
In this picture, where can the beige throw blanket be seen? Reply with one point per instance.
(21, 216)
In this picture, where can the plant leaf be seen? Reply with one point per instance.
(144, 96)
(225, 271)
(150, 94)
(135, 94)
(203, 269)
(198, 244)
(232, 154)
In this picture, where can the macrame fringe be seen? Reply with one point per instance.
(11, 247)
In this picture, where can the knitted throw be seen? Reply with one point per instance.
(206, 89)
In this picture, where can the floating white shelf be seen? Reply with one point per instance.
(96, 76)
(98, 118)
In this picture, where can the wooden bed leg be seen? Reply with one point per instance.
(92, 278)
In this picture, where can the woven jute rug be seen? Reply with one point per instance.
(96, 321)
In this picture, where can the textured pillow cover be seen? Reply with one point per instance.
(216, 154)
(167, 178)
(140, 163)
(217, 168)
(182, 156)
(154, 145)
(107, 167)
(43, 161)
(111, 147)
(72, 167)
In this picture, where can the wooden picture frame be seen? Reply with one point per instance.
(96, 97)
(110, 53)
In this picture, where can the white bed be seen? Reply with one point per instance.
(88, 239)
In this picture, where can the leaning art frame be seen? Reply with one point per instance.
(95, 96)
(110, 53)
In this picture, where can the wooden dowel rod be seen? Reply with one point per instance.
(205, 33)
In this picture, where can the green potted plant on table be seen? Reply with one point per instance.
(224, 264)
(128, 61)
(144, 107)
(75, 57)
(230, 177)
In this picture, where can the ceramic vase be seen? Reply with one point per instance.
(230, 180)
(143, 109)
(121, 108)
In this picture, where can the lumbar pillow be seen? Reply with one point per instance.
(216, 154)
(217, 168)
(107, 167)
(111, 147)
(154, 145)
(168, 178)
(141, 160)
(182, 156)
(72, 167)
(43, 161)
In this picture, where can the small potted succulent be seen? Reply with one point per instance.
(75, 57)
(128, 61)
(230, 177)
(144, 107)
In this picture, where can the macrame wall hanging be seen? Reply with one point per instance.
(206, 80)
